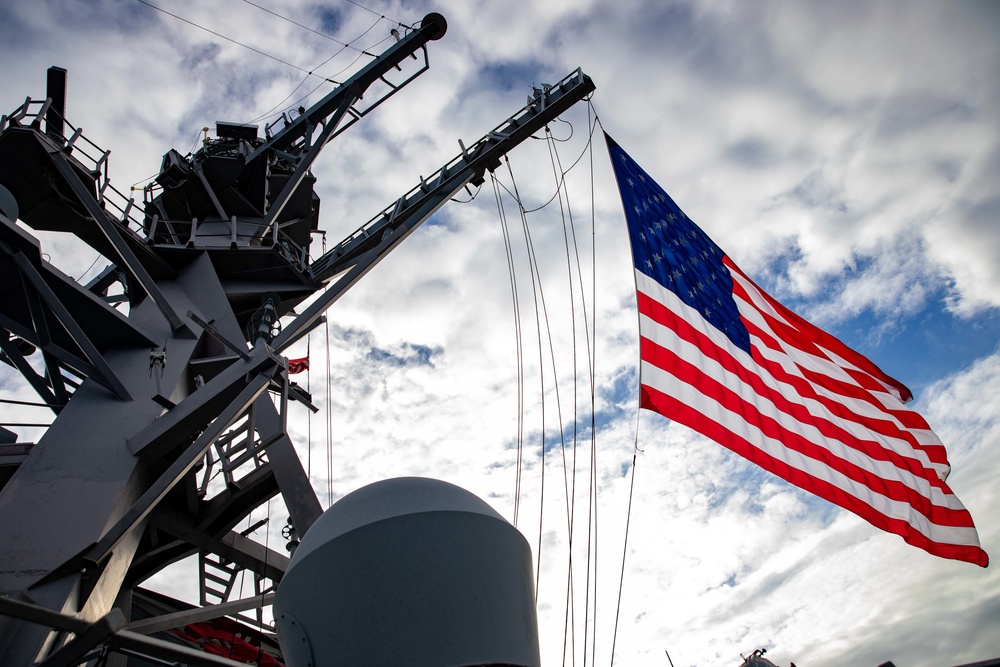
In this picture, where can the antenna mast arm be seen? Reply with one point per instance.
(432, 27)
(361, 251)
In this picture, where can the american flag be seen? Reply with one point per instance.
(722, 357)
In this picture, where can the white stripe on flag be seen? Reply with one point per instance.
(724, 358)
(741, 423)
(711, 369)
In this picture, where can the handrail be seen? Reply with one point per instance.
(88, 154)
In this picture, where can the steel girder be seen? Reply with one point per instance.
(133, 428)
(147, 484)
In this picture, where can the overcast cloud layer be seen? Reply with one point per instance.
(845, 154)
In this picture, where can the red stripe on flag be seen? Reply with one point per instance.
(862, 385)
(869, 393)
(657, 401)
(769, 427)
(660, 313)
(806, 385)
(826, 340)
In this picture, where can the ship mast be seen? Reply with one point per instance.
(191, 381)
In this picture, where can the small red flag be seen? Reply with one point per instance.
(298, 365)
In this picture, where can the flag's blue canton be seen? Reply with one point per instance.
(669, 248)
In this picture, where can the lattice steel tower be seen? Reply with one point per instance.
(191, 380)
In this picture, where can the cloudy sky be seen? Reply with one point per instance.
(846, 155)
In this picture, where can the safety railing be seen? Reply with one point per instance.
(381, 223)
(89, 155)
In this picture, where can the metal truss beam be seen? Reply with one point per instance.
(55, 356)
(199, 615)
(128, 259)
(431, 28)
(177, 470)
(471, 164)
(133, 643)
(93, 557)
(97, 369)
(231, 505)
(53, 373)
(121, 640)
(213, 517)
(306, 160)
(232, 546)
(149, 562)
(176, 426)
(361, 251)
(218, 335)
(293, 482)
(14, 357)
(74, 651)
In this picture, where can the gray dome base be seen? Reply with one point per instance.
(388, 575)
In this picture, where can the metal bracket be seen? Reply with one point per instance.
(93, 557)
(219, 336)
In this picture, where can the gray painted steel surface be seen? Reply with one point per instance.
(189, 384)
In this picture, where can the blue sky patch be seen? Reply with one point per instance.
(509, 76)
(329, 20)
(925, 346)
(407, 355)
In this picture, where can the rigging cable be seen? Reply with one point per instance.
(574, 246)
(548, 133)
(628, 517)
(329, 410)
(554, 194)
(356, 4)
(308, 73)
(628, 520)
(228, 39)
(304, 27)
(540, 299)
(519, 348)
(92, 265)
(533, 268)
(149, 179)
(326, 79)
(569, 621)
(592, 358)
(329, 420)
(571, 245)
(309, 420)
